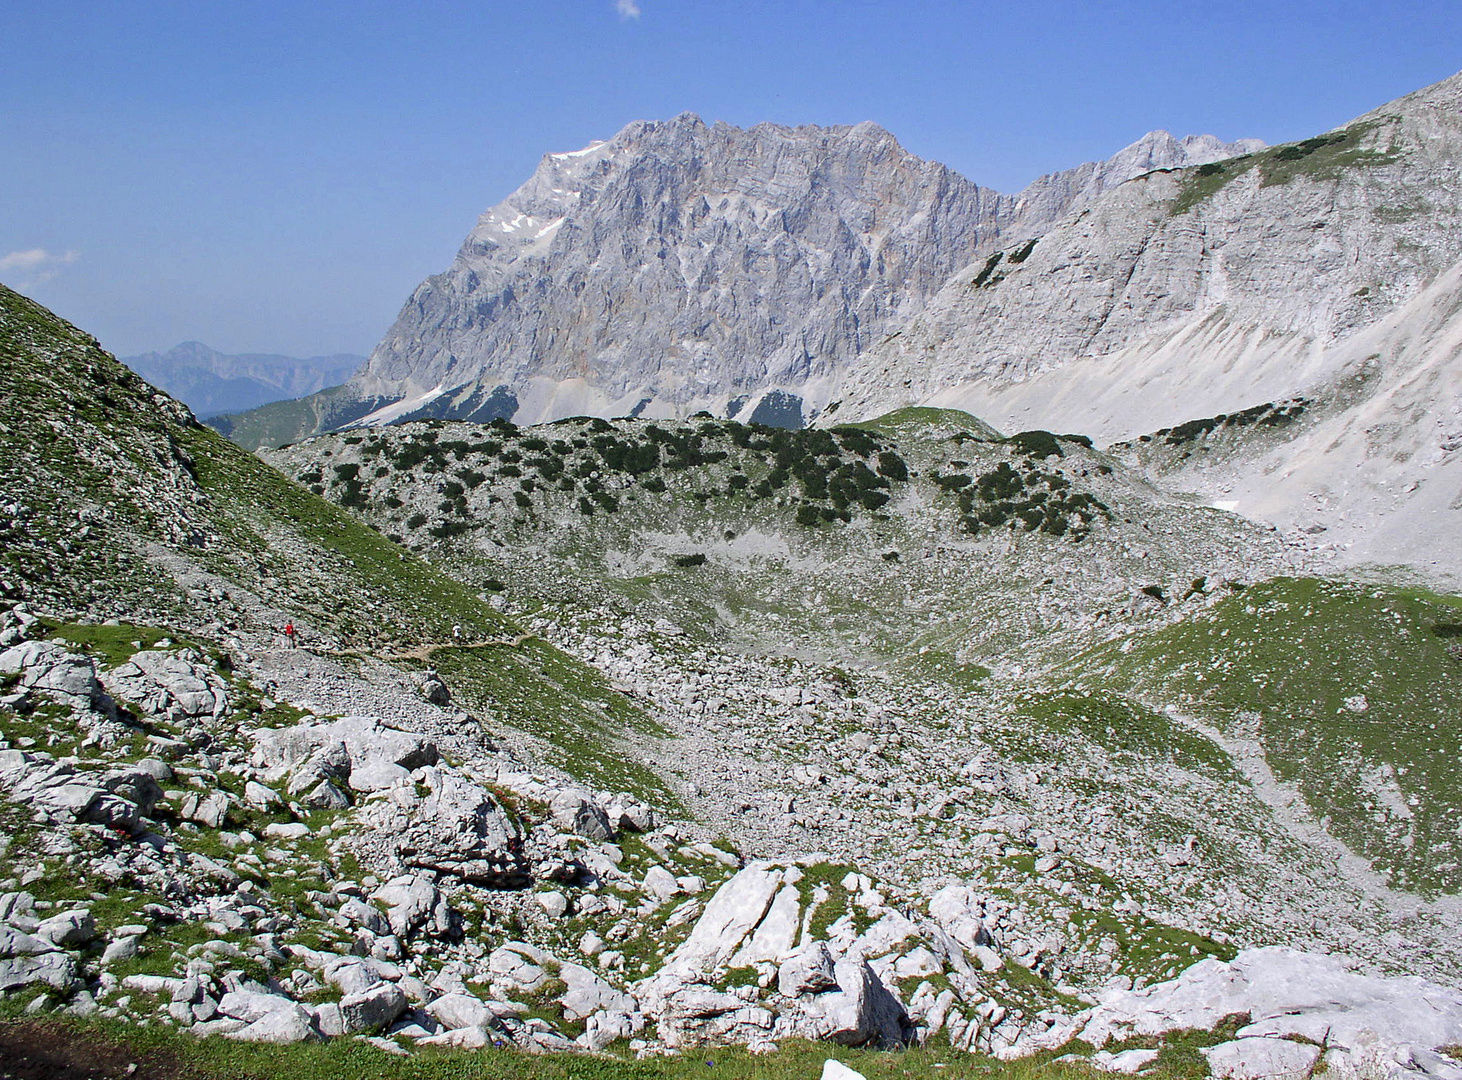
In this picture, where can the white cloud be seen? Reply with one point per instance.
(34, 266)
(627, 9)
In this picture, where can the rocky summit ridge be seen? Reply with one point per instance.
(634, 738)
(681, 266)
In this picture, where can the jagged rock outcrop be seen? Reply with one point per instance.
(682, 266)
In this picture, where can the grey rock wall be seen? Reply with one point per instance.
(682, 266)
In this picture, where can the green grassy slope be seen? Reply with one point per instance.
(282, 422)
(113, 484)
(1354, 693)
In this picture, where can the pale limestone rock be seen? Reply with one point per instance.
(1261, 1059)
(776, 934)
(587, 993)
(460, 1011)
(374, 1009)
(862, 1011)
(774, 258)
(1127, 1061)
(809, 970)
(1364, 1020)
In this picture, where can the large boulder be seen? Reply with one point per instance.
(46, 666)
(180, 685)
(517, 966)
(293, 1023)
(587, 993)
(808, 970)
(374, 1009)
(734, 914)
(455, 1011)
(136, 785)
(329, 763)
(577, 812)
(414, 903)
(56, 970)
(862, 1012)
(461, 829)
(1368, 1024)
(38, 780)
(959, 911)
(603, 1028)
(339, 750)
(68, 929)
(1258, 1058)
(252, 1005)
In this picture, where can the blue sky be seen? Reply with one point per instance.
(277, 177)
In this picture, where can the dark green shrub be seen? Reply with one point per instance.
(1024, 253)
(1037, 444)
(892, 466)
(690, 560)
(984, 277)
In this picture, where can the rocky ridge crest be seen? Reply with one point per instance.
(681, 266)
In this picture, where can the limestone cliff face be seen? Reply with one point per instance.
(682, 266)
(1328, 271)
(1212, 287)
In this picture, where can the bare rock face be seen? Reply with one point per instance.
(1323, 272)
(1361, 1024)
(682, 266)
(461, 830)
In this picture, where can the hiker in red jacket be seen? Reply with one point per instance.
(291, 636)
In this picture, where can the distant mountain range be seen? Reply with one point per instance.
(211, 383)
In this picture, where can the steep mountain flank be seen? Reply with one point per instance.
(681, 266)
(119, 505)
(1323, 271)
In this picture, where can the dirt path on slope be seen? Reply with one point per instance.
(426, 652)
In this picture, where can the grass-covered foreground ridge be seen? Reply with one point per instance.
(118, 503)
(1354, 693)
